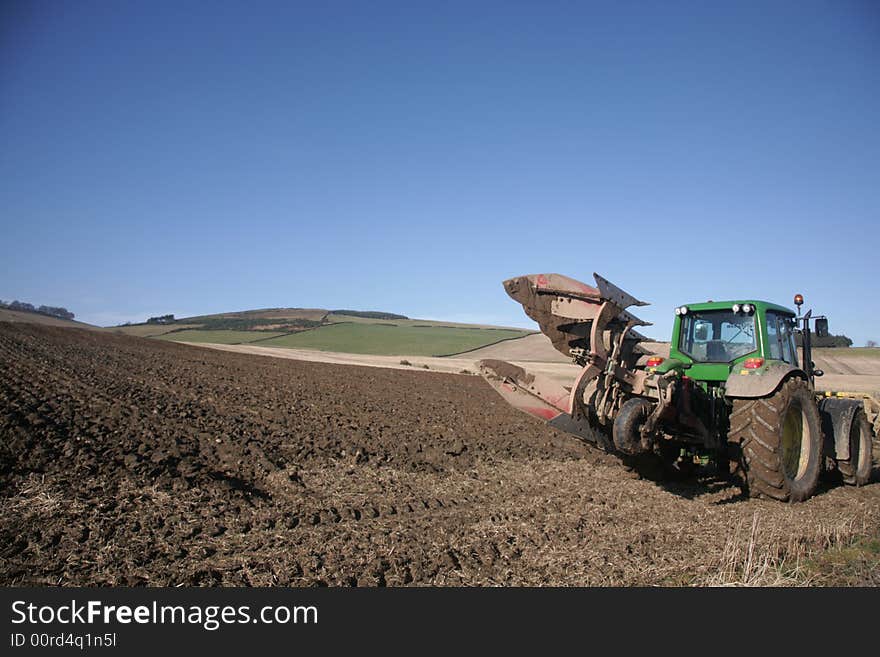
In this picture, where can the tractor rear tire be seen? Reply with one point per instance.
(856, 470)
(780, 443)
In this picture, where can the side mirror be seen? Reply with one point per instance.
(822, 328)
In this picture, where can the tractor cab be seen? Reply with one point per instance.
(711, 339)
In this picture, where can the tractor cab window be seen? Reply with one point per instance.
(780, 337)
(717, 336)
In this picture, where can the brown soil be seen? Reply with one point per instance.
(133, 461)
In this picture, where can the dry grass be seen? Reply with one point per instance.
(855, 565)
(35, 498)
(762, 555)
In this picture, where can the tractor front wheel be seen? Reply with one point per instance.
(780, 442)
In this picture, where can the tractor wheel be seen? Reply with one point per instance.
(628, 423)
(856, 470)
(648, 462)
(780, 442)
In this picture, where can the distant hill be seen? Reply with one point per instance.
(368, 314)
(347, 331)
(7, 315)
(313, 314)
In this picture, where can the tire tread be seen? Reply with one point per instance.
(756, 426)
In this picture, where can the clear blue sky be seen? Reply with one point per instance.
(197, 157)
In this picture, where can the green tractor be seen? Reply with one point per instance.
(733, 394)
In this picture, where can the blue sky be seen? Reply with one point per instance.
(199, 157)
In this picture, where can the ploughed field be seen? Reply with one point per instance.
(127, 461)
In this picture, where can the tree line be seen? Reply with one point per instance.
(51, 311)
(161, 319)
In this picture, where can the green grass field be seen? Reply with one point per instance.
(339, 318)
(218, 337)
(383, 340)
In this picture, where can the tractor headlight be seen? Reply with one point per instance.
(747, 308)
(682, 310)
(736, 307)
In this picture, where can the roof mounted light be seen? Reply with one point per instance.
(747, 308)
(736, 307)
(798, 300)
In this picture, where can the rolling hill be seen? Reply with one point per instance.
(7, 315)
(349, 331)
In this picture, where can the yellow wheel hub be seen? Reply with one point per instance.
(795, 450)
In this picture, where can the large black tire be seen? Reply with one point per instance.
(780, 442)
(628, 423)
(856, 470)
(639, 454)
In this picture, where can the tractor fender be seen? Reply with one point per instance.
(749, 384)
